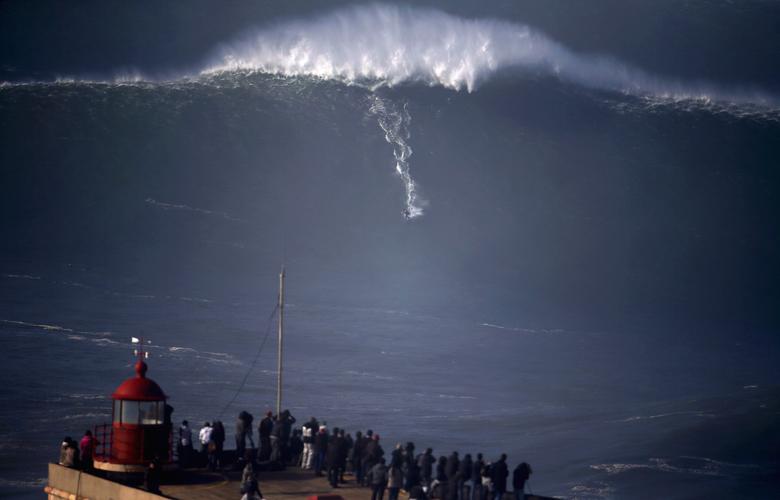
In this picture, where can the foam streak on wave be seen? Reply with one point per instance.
(389, 45)
(394, 121)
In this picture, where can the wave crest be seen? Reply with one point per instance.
(388, 45)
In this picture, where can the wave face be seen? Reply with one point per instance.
(382, 45)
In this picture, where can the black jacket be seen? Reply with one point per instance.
(465, 469)
(499, 473)
(520, 475)
(476, 471)
(265, 427)
(425, 462)
(452, 466)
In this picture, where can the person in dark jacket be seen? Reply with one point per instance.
(276, 440)
(453, 464)
(296, 447)
(346, 444)
(464, 478)
(378, 474)
(441, 478)
(218, 436)
(476, 478)
(320, 448)
(425, 462)
(152, 476)
(243, 431)
(397, 455)
(394, 481)
(520, 475)
(499, 473)
(356, 454)
(264, 431)
(287, 421)
(411, 474)
(372, 452)
(410, 471)
(332, 457)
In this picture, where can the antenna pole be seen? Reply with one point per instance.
(280, 344)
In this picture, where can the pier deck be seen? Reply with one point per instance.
(292, 483)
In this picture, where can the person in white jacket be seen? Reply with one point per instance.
(204, 436)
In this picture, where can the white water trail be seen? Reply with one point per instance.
(394, 121)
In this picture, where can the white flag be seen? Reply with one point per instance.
(135, 340)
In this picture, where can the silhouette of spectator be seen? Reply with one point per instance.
(264, 432)
(476, 478)
(395, 480)
(520, 475)
(499, 473)
(378, 474)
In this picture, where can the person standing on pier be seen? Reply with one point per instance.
(243, 429)
(204, 436)
(308, 430)
(425, 462)
(520, 475)
(286, 420)
(87, 447)
(320, 447)
(499, 473)
(464, 478)
(357, 457)
(378, 474)
(332, 457)
(185, 444)
(476, 478)
(453, 463)
(264, 431)
(394, 481)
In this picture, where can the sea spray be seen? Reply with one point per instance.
(394, 120)
(386, 45)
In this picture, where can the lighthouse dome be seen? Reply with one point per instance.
(139, 388)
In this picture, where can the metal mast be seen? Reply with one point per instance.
(280, 344)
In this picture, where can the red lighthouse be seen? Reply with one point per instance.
(140, 429)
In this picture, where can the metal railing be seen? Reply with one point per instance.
(104, 433)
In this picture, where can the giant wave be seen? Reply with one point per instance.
(383, 45)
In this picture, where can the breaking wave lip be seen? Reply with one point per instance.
(381, 45)
(384, 45)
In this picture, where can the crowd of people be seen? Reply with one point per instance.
(334, 452)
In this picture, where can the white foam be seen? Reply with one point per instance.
(394, 120)
(384, 45)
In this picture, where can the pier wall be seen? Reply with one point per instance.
(73, 484)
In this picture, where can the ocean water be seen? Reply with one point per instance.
(501, 233)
